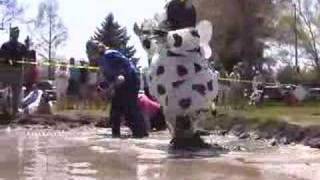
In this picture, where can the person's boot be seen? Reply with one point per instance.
(140, 135)
(192, 143)
(116, 133)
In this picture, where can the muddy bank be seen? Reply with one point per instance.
(62, 122)
(277, 131)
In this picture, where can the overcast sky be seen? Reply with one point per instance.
(81, 17)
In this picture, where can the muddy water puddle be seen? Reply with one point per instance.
(89, 153)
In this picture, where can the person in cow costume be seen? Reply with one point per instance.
(179, 73)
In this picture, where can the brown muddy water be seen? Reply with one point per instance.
(90, 153)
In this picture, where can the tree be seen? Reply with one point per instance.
(239, 26)
(10, 11)
(114, 36)
(288, 74)
(307, 26)
(48, 31)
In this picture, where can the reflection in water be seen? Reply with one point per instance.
(48, 154)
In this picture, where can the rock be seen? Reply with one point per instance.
(238, 129)
(254, 135)
(293, 133)
(102, 123)
(264, 135)
(238, 148)
(223, 132)
(203, 133)
(284, 140)
(72, 126)
(313, 142)
(273, 142)
(270, 128)
(312, 132)
(244, 135)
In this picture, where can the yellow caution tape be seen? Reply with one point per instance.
(97, 68)
(59, 65)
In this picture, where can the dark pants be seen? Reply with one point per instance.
(13, 76)
(126, 104)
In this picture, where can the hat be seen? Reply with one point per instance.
(14, 29)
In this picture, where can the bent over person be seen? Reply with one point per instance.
(122, 80)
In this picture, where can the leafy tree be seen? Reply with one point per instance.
(239, 26)
(289, 74)
(114, 36)
(308, 28)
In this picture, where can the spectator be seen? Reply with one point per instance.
(62, 76)
(73, 87)
(236, 97)
(257, 95)
(92, 83)
(32, 77)
(83, 90)
(30, 104)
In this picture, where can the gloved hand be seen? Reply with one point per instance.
(106, 91)
(120, 80)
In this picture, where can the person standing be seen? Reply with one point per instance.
(32, 76)
(11, 72)
(236, 96)
(73, 91)
(83, 90)
(122, 80)
(62, 76)
(92, 82)
(257, 95)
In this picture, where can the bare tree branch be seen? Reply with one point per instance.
(11, 11)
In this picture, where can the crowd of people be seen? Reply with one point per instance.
(74, 83)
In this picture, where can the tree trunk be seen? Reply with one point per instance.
(50, 67)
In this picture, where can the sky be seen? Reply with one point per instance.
(82, 17)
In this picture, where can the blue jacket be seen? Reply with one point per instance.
(113, 64)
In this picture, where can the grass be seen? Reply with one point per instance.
(305, 114)
(97, 111)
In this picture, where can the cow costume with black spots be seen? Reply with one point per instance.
(180, 77)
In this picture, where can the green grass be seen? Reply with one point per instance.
(305, 114)
(101, 111)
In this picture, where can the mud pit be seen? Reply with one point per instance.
(90, 153)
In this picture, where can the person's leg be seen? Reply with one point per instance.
(12, 76)
(134, 117)
(16, 93)
(115, 115)
(157, 122)
(73, 93)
